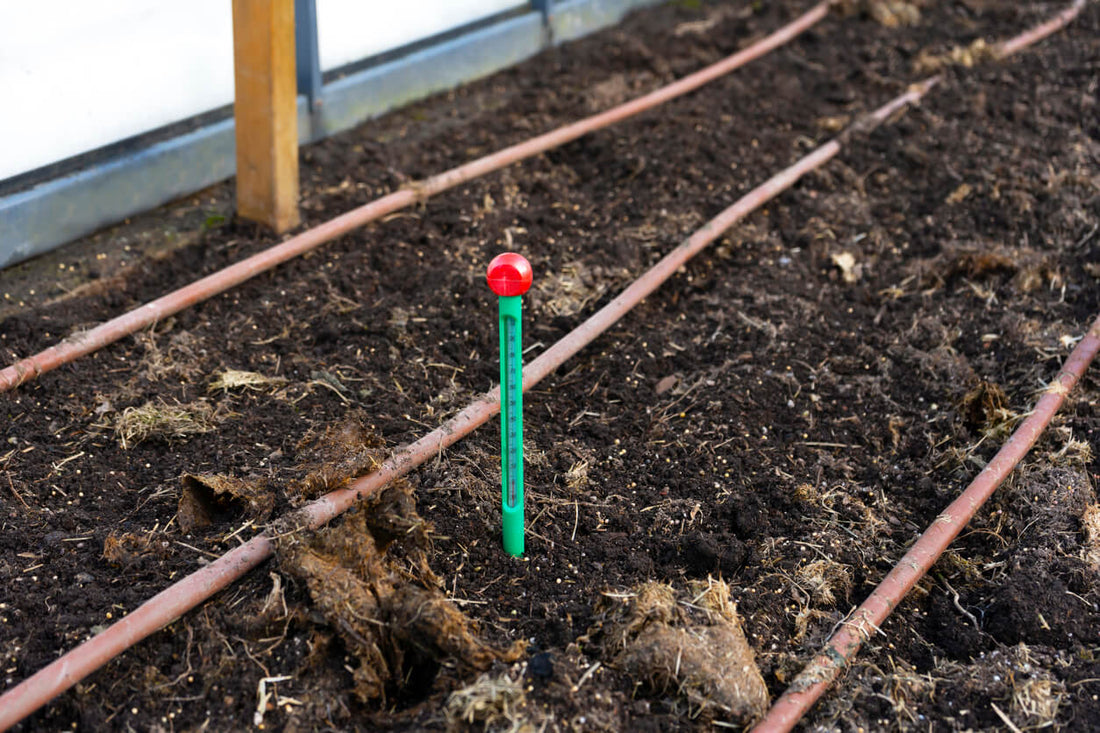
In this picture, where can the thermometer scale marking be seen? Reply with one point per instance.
(513, 394)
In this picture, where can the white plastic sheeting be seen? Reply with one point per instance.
(77, 75)
(350, 30)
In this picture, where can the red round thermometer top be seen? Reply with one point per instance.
(509, 274)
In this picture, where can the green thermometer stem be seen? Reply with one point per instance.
(509, 277)
(511, 422)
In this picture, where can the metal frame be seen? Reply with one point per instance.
(48, 215)
(308, 52)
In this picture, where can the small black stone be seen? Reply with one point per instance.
(54, 538)
(541, 665)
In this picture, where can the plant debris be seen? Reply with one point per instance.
(978, 52)
(157, 419)
(1090, 522)
(756, 416)
(126, 548)
(492, 700)
(890, 13)
(236, 379)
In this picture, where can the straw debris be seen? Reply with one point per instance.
(1090, 524)
(985, 408)
(688, 644)
(491, 702)
(1016, 678)
(570, 289)
(1026, 270)
(978, 52)
(175, 360)
(1074, 453)
(1037, 700)
(824, 579)
(124, 549)
(160, 420)
(237, 379)
(576, 478)
(890, 13)
(850, 270)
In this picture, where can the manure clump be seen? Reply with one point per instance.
(212, 498)
(336, 455)
(688, 644)
(370, 580)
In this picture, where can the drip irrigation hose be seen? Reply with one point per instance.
(866, 620)
(86, 342)
(171, 603)
(1041, 31)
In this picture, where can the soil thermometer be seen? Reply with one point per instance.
(509, 277)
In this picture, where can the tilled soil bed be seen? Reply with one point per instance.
(770, 430)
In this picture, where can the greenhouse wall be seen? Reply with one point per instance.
(137, 109)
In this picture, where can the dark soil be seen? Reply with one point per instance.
(763, 418)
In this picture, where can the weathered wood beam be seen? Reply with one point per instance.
(266, 112)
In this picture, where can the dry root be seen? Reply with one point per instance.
(692, 647)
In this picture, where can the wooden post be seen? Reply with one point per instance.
(266, 112)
